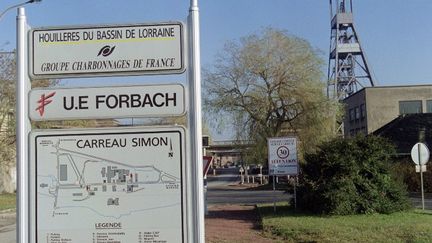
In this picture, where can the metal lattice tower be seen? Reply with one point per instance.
(348, 70)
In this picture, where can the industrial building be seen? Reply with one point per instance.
(373, 107)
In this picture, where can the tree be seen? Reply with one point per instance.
(177, 120)
(7, 120)
(268, 85)
(7, 117)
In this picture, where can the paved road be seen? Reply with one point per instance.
(246, 197)
(8, 234)
(224, 178)
(7, 228)
(224, 189)
(418, 203)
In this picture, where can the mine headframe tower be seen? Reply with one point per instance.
(348, 70)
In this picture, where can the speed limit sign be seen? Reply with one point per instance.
(283, 152)
(282, 156)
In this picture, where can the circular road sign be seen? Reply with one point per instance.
(282, 152)
(420, 153)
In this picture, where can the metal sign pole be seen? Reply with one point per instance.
(22, 129)
(420, 156)
(195, 124)
(295, 192)
(421, 176)
(274, 193)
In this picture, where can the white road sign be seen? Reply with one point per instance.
(107, 102)
(420, 153)
(282, 156)
(108, 185)
(80, 51)
(422, 169)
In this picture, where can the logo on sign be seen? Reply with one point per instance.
(106, 51)
(44, 101)
(282, 152)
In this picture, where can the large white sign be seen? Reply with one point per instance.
(282, 156)
(107, 102)
(108, 185)
(106, 50)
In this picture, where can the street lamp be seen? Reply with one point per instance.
(18, 5)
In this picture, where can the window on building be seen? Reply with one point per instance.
(351, 115)
(362, 111)
(410, 107)
(357, 113)
(429, 106)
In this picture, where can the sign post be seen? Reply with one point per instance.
(282, 159)
(194, 122)
(420, 155)
(22, 128)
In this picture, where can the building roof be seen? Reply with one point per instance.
(390, 87)
(405, 131)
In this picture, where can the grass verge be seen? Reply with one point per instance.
(291, 226)
(7, 201)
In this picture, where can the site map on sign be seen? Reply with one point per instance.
(103, 188)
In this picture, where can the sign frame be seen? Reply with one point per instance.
(195, 208)
(126, 131)
(282, 151)
(113, 73)
(91, 111)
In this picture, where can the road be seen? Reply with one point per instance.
(418, 203)
(224, 189)
(246, 197)
(223, 178)
(7, 228)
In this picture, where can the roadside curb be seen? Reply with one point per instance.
(418, 195)
(8, 213)
(228, 187)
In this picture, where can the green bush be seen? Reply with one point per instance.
(351, 176)
(404, 169)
